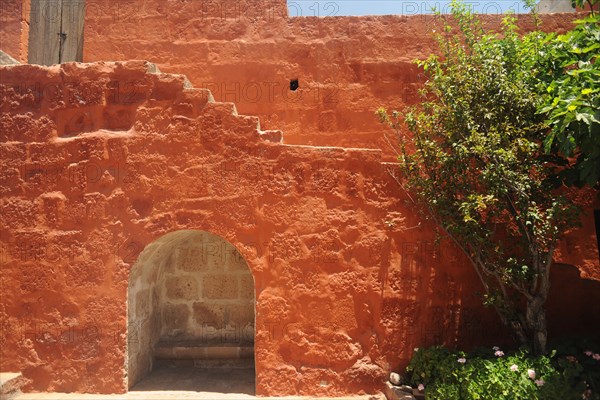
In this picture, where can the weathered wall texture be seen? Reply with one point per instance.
(14, 30)
(347, 67)
(247, 51)
(102, 160)
(348, 279)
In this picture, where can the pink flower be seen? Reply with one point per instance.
(596, 357)
(462, 360)
(499, 353)
(588, 353)
(421, 387)
(531, 374)
(514, 367)
(539, 382)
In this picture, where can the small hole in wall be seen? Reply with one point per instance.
(294, 85)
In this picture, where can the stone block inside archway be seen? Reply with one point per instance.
(191, 301)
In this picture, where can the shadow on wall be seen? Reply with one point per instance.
(188, 287)
(572, 303)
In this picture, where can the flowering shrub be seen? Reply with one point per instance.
(569, 373)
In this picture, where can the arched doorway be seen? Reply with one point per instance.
(190, 304)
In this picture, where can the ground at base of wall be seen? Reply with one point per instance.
(180, 383)
(175, 395)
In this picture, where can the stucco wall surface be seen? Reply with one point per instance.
(101, 160)
(248, 52)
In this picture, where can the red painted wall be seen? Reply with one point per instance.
(348, 279)
(14, 29)
(99, 160)
(347, 66)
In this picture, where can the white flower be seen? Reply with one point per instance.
(514, 367)
(462, 360)
(539, 382)
(531, 374)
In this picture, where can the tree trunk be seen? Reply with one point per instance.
(529, 329)
(536, 324)
(519, 332)
(515, 324)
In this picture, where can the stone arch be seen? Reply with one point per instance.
(190, 297)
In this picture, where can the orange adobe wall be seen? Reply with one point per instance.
(345, 280)
(14, 30)
(247, 52)
(102, 160)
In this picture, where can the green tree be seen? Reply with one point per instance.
(571, 100)
(592, 4)
(473, 156)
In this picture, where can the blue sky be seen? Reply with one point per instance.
(323, 8)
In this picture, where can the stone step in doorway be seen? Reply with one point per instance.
(202, 355)
(202, 367)
(247, 363)
(201, 350)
